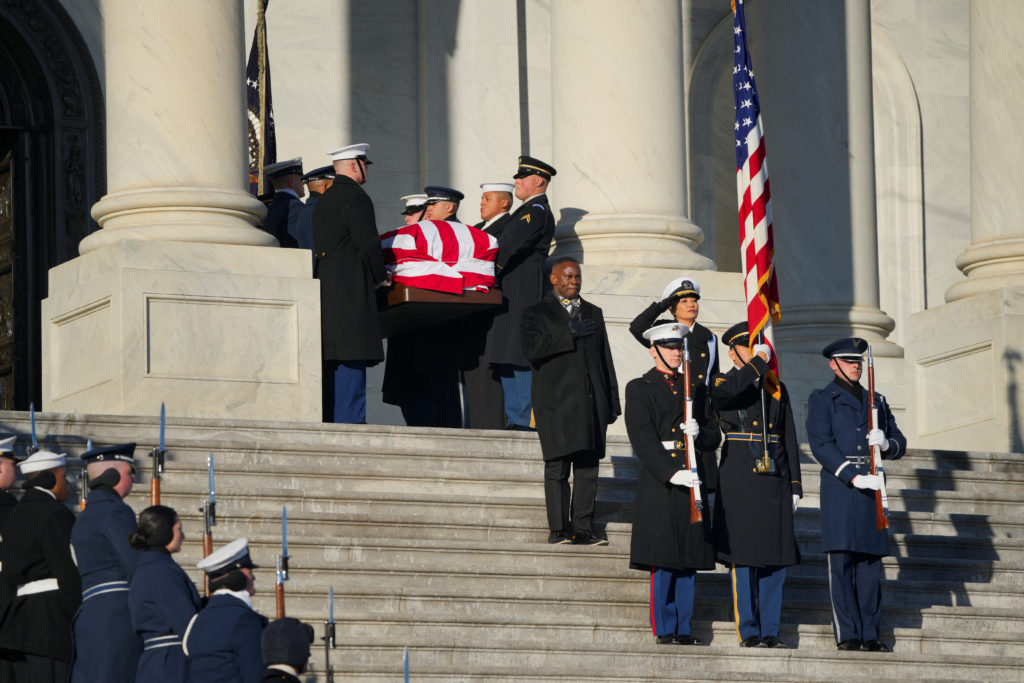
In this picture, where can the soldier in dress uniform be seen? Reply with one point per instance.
(519, 270)
(317, 181)
(285, 644)
(282, 219)
(8, 475)
(837, 430)
(163, 599)
(415, 207)
(39, 571)
(756, 499)
(664, 542)
(222, 642)
(495, 204)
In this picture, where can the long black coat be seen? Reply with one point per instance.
(662, 534)
(575, 395)
(349, 264)
(282, 219)
(522, 247)
(37, 545)
(754, 512)
(703, 343)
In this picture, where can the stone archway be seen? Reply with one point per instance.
(52, 170)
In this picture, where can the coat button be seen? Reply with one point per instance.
(755, 423)
(700, 376)
(860, 448)
(673, 455)
(703, 355)
(673, 430)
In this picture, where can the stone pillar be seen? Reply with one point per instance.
(175, 300)
(619, 135)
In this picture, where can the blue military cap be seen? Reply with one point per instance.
(283, 168)
(125, 452)
(235, 555)
(286, 641)
(737, 335)
(849, 347)
(532, 166)
(439, 193)
(322, 173)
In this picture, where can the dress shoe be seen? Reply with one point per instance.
(852, 644)
(666, 640)
(772, 641)
(688, 640)
(876, 646)
(558, 538)
(752, 641)
(587, 538)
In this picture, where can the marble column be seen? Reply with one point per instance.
(995, 258)
(619, 135)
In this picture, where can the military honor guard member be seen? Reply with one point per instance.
(664, 542)
(350, 266)
(163, 599)
(285, 644)
(222, 642)
(317, 182)
(519, 271)
(8, 475)
(681, 299)
(283, 215)
(415, 205)
(575, 398)
(837, 430)
(38, 570)
(495, 204)
(757, 496)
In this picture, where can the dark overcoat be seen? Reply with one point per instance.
(522, 247)
(574, 391)
(703, 342)
(37, 545)
(662, 534)
(223, 643)
(282, 219)
(162, 602)
(837, 429)
(7, 503)
(349, 265)
(754, 512)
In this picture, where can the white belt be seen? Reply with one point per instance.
(40, 586)
(160, 641)
(669, 445)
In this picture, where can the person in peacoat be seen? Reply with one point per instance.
(753, 515)
(283, 214)
(664, 542)
(840, 440)
(575, 398)
(350, 266)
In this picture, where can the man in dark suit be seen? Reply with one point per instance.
(39, 571)
(837, 430)
(575, 398)
(107, 648)
(317, 181)
(282, 219)
(522, 248)
(350, 266)
(8, 475)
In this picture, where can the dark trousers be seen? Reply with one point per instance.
(757, 600)
(579, 508)
(431, 399)
(30, 668)
(344, 390)
(485, 400)
(855, 588)
(672, 600)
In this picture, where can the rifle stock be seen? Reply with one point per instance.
(696, 504)
(881, 499)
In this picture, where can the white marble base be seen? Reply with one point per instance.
(212, 330)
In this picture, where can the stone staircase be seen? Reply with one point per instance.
(435, 540)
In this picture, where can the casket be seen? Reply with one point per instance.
(407, 309)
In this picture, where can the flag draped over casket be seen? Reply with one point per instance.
(444, 256)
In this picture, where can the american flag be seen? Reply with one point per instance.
(262, 140)
(445, 256)
(757, 248)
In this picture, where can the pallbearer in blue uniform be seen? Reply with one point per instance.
(283, 215)
(106, 646)
(163, 599)
(222, 642)
(753, 516)
(664, 542)
(837, 430)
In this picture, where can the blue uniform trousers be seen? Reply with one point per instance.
(106, 646)
(672, 600)
(855, 588)
(345, 391)
(757, 600)
(515, 382)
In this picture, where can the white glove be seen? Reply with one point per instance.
(876, 437)
(868, 481)
(765, 349)
(690, 428)
(796, 502)
(685, 478)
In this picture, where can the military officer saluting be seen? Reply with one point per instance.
(222, 642)
(106, 646)
(837, 430)
(757, 496)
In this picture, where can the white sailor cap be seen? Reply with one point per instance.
(283, 168)
(356, 151)
(7, 445)
(235, 555)
(498, 187)
(667, 334)
(41, 460)
(682, 286)
(414, 201)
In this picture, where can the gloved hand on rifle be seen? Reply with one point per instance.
(876, 437)
(685, 478)
(691, 428)
(868, 482)
(581, 327)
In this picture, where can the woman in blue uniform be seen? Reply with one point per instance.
(163, 599)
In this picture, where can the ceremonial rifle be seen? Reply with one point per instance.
(696, 505)
(881, 498)
(158, 454)
(329, 642)
(32, 418)
(209, 510)
(282, 564)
